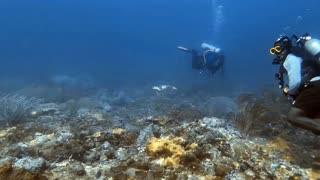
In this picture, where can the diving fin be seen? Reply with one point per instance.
(184, 49)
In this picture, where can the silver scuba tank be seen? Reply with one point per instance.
(313, 47)
(211, 47)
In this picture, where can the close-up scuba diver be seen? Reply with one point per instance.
(299, 60)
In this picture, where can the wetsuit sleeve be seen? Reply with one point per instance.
(197, 60)
(293, 66)
(217, 64)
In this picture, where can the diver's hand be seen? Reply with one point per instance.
(291, 98)
(285, 90)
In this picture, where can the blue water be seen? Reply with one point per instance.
(121, 42)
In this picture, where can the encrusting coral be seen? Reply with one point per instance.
(169, 150)
(7, 171)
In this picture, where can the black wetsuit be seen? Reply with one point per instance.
(213, 63)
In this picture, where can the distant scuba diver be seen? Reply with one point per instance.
(299, 59)
(211, 58)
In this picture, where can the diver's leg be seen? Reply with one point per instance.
(297, 117)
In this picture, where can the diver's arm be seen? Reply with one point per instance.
(218, 64)
(293, 66)
(185, 49)
(197, 61)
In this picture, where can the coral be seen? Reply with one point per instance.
(58, 152)
(10, 173)
(124, 139)
(251, 110)
(30, 164)
(15, 108)
(258, 112)
(281, 146)
(20, 133)
(185, 114)
(170, 151)
(118, 131)
(219, 106)
(314, 174)
(161, 137)
(45, 109)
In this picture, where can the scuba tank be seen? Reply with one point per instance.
(311, 45)
(210, 47)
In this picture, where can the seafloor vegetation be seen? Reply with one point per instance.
(62, 133)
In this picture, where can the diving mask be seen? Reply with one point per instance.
(275, 50)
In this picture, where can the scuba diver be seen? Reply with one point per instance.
(211, 59)
(299, 59)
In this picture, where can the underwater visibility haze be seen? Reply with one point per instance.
(121, 42)
(98, 90)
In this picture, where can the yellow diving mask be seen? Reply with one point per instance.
(275, 50)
